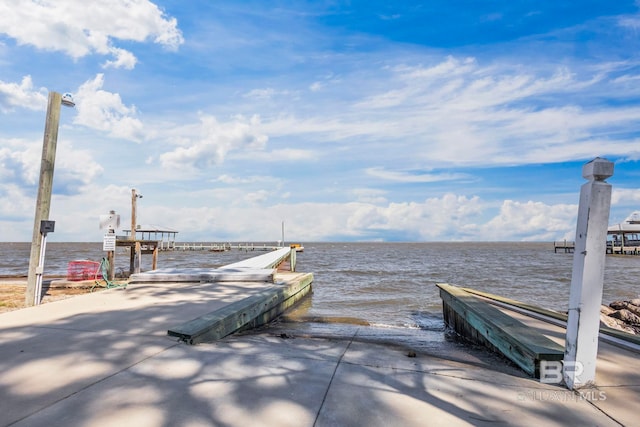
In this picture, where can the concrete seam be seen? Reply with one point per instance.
(326, 393)
(602, 411)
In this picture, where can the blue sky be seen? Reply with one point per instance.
(346, 120)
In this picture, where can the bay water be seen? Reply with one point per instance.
(388, 285)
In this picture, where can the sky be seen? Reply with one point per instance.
(352, 120)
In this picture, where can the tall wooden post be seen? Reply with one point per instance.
(134, 196)
(111, 259)
(45, 186)
(583, 325)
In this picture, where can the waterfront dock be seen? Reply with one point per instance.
(221, 247)
(564, 246)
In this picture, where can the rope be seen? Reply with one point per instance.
(104, 269)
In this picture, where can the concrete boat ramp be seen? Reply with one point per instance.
(107, 359)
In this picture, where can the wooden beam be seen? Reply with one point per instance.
(252, 311)
(484, 324)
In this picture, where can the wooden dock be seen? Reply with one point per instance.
(250, 312)
(221, 247)
(496, 322)
(613, 248)
(277, 290)
(632, 248)
(564, 245)
(484, 324)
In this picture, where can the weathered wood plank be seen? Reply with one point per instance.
(483, 323)
(604, 329)
(252, 311)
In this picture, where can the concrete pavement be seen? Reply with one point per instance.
(105, 359)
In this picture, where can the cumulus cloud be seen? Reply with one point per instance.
(450, 217)
(16, 218)
(79, 29)
(207, 143)
(535, 221)
(22, 95)
(124, 59)
(105, 111)
(20, 161)
(437, 218)
(75, 168)
(20, 164)
(625, 196)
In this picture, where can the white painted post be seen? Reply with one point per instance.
(583, 325)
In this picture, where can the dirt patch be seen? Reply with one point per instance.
(12, 292)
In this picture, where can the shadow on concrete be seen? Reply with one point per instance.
(114, 365)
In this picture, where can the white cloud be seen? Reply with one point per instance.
(279, 155)
(105, 111)
(625, 196)
(405, 176)
(75, 167)
(20, 161)
(460, 112)
(124, 59)
(535, 221)
(16, 217)
(260, 93)
(232, 180)
(257, 197)
(22, 95)
(316, 86)
(79, 29)
(207, 143)
(370, 195)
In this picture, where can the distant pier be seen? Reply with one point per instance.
(566, 246)
(618, 248)
(221, 247)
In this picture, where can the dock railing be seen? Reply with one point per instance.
(221, 247)
(564, 245)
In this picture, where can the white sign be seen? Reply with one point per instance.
(110, 221)
(109, 242)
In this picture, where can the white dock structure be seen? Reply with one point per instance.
(624, 238)
(261, 268)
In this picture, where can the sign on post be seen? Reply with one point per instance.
(109, 242)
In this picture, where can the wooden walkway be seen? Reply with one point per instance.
(221, 247)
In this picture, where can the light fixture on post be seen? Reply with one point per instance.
(43, 202)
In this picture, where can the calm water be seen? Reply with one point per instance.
(387, 284)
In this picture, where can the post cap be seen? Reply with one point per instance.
(597, 169)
